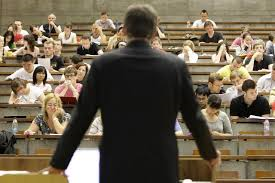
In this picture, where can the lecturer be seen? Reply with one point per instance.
(139, 91)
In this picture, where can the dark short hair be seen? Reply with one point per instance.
(214, 101)
(68, 25)
(70, 70)
(248, 84)
(202, 90)
(214, 77)
(140, 21)
(17, 83)
(86, 37)
(37, 70)
(27, 58)
(204, 11)
(76, 59)
(238, 59)
(103, 13)
(208, 23)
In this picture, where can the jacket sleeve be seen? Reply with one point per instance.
(193, 117)
(82, 116)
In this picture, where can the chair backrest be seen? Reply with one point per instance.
(265, 174)
(227, 175)
(195, 169)
(252, 152)
(34, 178)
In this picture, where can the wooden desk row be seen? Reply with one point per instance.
(189, 167)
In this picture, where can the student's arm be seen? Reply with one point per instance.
(234, 114)
(61, 90)
(74, 90)
(19, 51)
(265, 108)
(13, 99)
(59, 126)
(33, 128)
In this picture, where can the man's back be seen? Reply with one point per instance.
(142, 84)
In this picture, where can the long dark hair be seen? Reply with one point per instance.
(37, 70)
(31, 41)
(11, 42)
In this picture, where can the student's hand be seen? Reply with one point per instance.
(257, 54)
(28, 132)
(56, 113)
(52, 23)
(215, 133)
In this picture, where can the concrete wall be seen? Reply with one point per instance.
(36, 11)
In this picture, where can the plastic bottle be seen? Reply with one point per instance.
(266, 128)
(14, 126)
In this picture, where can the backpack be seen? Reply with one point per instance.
(7, 141)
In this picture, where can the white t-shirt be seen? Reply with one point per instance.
(24, 32)
(45, 88)
(32, 97)
(96, 40)
(193, 57)
(71, 40)
(23, 74)
(200, 24)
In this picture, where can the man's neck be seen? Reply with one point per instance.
(49, 56)
(247, 101)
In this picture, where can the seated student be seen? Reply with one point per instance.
(188, 55)
(76, 60)
(202, 93)
(97, 35)
(51, 26)
(245, 46)
(217, 120)
(58, 48)
(258, 61)
(236, 65)
(19, 33)
(215, 83)
(210, 36)
(119, 36)
(204, 18)
(104, 22)
(82, 71)
(97, 128)
(237, 42)
(70, 88)
(26, 72)
(87, 47)
(40, 78)
(57, 63)
(250, 103)
(237, 81)
(23, 93)
(267, 82)
(9, 41)
(67, 37)
(28, 48)
(270, 46)
(39, 36)
(53, 119)
(222, 53)
(156, 43)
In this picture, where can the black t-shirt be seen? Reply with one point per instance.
(56, 62)
(215, 39)
(267, 60)
(94, 48)
(239, 108)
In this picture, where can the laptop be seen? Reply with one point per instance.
(68, 100)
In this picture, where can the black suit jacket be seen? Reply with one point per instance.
(139, 92)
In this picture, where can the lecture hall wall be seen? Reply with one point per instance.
(36, 11)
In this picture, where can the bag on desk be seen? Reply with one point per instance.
(7, 141)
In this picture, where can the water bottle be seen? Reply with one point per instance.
(14, 126)
(266, 127)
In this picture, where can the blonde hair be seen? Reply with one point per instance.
(45, 102)
(190, 44)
